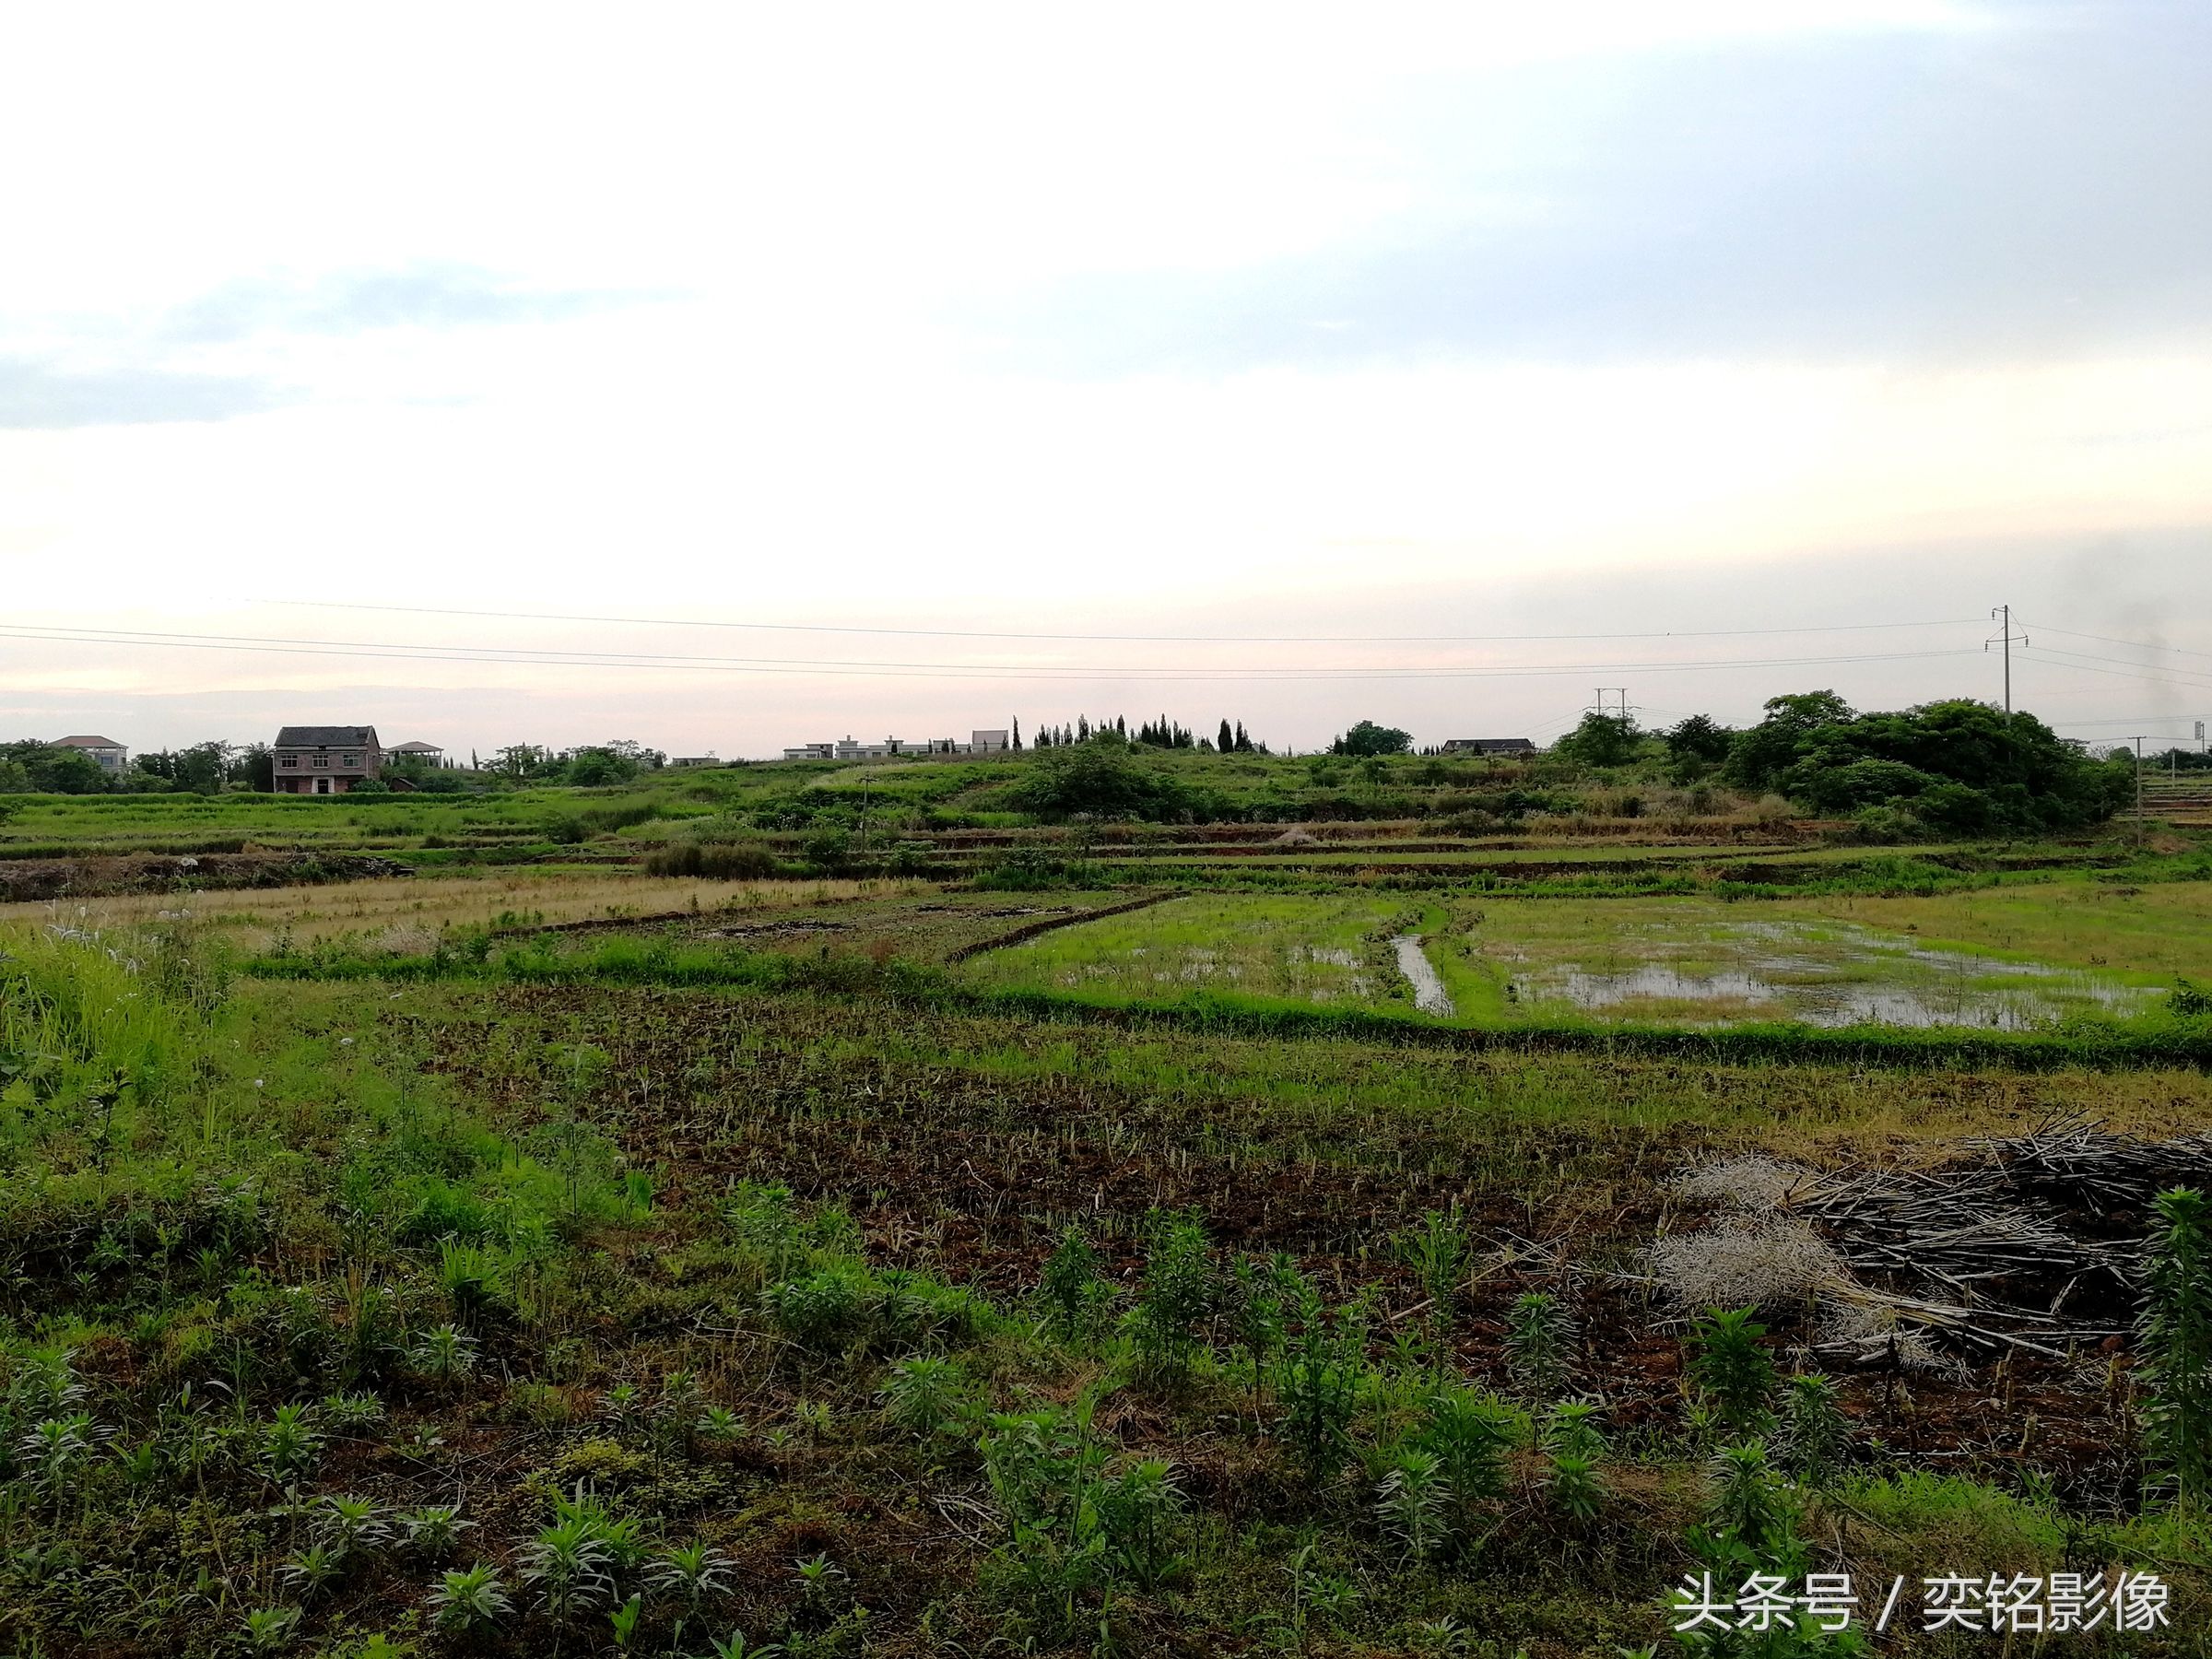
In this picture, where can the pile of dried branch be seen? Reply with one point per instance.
(2030, 1241)
(2070, 1161)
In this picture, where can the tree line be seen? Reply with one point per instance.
(1954, 766)
(1160, 732)
(30, 767)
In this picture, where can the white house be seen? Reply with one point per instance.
(109, 754)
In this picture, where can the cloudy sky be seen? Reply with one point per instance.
(740, 376)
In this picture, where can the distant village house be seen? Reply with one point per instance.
(1489, 746)
(430, 754)
(325, 759)
(849, 748)
(109, 754)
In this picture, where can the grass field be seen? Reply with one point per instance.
(571, 1260)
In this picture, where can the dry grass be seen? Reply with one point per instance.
(1769, 1263)
(405, 911)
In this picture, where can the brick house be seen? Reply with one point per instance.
(325, 759)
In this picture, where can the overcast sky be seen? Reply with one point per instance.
(1309, 344)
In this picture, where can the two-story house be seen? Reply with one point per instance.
(109, 754)
(325, 759)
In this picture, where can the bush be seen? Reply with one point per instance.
(2177, 1333)
(1103, 779)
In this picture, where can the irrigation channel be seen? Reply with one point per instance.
(1428, 994)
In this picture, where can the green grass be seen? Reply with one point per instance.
(1324, 951)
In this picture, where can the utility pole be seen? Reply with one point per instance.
(2007, 639)
(1620, 692)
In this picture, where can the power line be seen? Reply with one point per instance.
(527, 657)
(956, 633)
(2070, 725)
(2138, 644)
(2120, 669)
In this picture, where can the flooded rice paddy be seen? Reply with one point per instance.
(1509, 962)
(1820, 973)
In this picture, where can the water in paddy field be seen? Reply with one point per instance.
(1428, 994)
(1833, 975)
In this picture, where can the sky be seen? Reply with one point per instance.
(727, 378)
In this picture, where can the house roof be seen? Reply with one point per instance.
(416, 748)
(327, 736)
(85, 743)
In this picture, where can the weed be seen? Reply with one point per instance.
(2177, 1335)
(1413, 1504)
(1538, 1334)
(1177, 1298)
(570, 1567)
(926, 1395)
(1815, 1435)
(1071, 1288)
(694, 1572)
(1729, 1367)
(469, 1599)
(432, 1531)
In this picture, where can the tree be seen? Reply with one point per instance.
(254, 766)
(1601, 740)
(599, 766)
(1101, 778)
(32, 768)
(1699, 737)
(1756, 758)
(1368, 739)
(1957, 766)
(1016, 732)
(1225, 742)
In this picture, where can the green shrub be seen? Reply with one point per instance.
(1729, 1367)
(2176, 1342)
(1538, 1331)
(1177, 1298)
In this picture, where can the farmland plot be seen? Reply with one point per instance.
(1955, 961)
(1329, 950)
